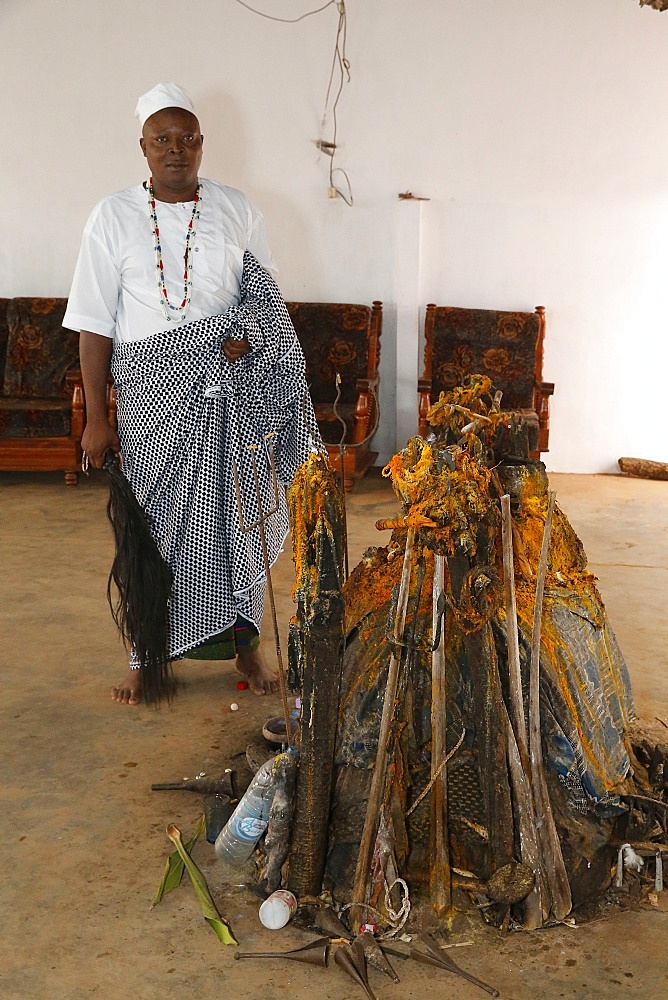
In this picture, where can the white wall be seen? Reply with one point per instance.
(537, 129)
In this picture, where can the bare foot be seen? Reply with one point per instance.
(129, 691)
(261, 678)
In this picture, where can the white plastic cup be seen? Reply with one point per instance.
(277, 909)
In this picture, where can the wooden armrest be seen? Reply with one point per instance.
(73, 377)
(424, 405)
(74, 383)
(366, 384)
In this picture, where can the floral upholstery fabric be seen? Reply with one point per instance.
(35, 355)
(501, 345)
(34, 418)
(334, 338)
(39, 350)
(4, 334)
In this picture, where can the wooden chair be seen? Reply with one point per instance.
(342, 338)
(506, 346)
(41, 401)
(42, 407)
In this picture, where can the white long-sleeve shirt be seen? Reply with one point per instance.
(115, 287)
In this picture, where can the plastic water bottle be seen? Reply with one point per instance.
(236, 841)
(277, 909)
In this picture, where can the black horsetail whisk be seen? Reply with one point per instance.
(143, 581)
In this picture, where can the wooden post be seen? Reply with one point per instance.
(553, 860)
(380, 767)
(319, 635)
(489, 711)
(440, 876)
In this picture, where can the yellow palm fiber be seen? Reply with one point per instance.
(314, 487)
(453, 499)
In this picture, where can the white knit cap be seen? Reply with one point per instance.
(163, 95)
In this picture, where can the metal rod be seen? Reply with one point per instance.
(342, 473)
(315, 953)
(447, 963)
(246, 527)
(345, 959)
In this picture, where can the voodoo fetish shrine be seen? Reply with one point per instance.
(467, 724)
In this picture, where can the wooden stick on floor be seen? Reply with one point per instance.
(644, 468)
(246, 527)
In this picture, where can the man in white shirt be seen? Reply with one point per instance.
(155, 257)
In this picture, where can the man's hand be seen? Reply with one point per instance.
(98, 437)
(235, 349)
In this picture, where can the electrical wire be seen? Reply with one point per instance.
(339, 59)
(340, 62)
(286, 20)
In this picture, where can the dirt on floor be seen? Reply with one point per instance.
(83, 843)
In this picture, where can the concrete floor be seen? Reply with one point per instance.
(83, 846)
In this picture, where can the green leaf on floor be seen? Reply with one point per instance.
(213, 918)
(175, 867)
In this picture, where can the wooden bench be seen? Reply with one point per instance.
(42, 408)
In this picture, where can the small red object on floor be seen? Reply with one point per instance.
(242, 685)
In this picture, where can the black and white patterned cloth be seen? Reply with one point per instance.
(188, 421)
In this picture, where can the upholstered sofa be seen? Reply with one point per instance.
(41, 400)
(42, 403)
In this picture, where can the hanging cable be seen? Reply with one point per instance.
(341, 62)
(287, 20)
(341, 69)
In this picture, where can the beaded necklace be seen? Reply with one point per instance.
(170, 311)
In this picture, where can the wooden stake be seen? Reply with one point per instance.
(555, 869)
(488, 711)
(380, 767)
(536, 907)
(317, 648)
(514, 672)
(440, 877)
